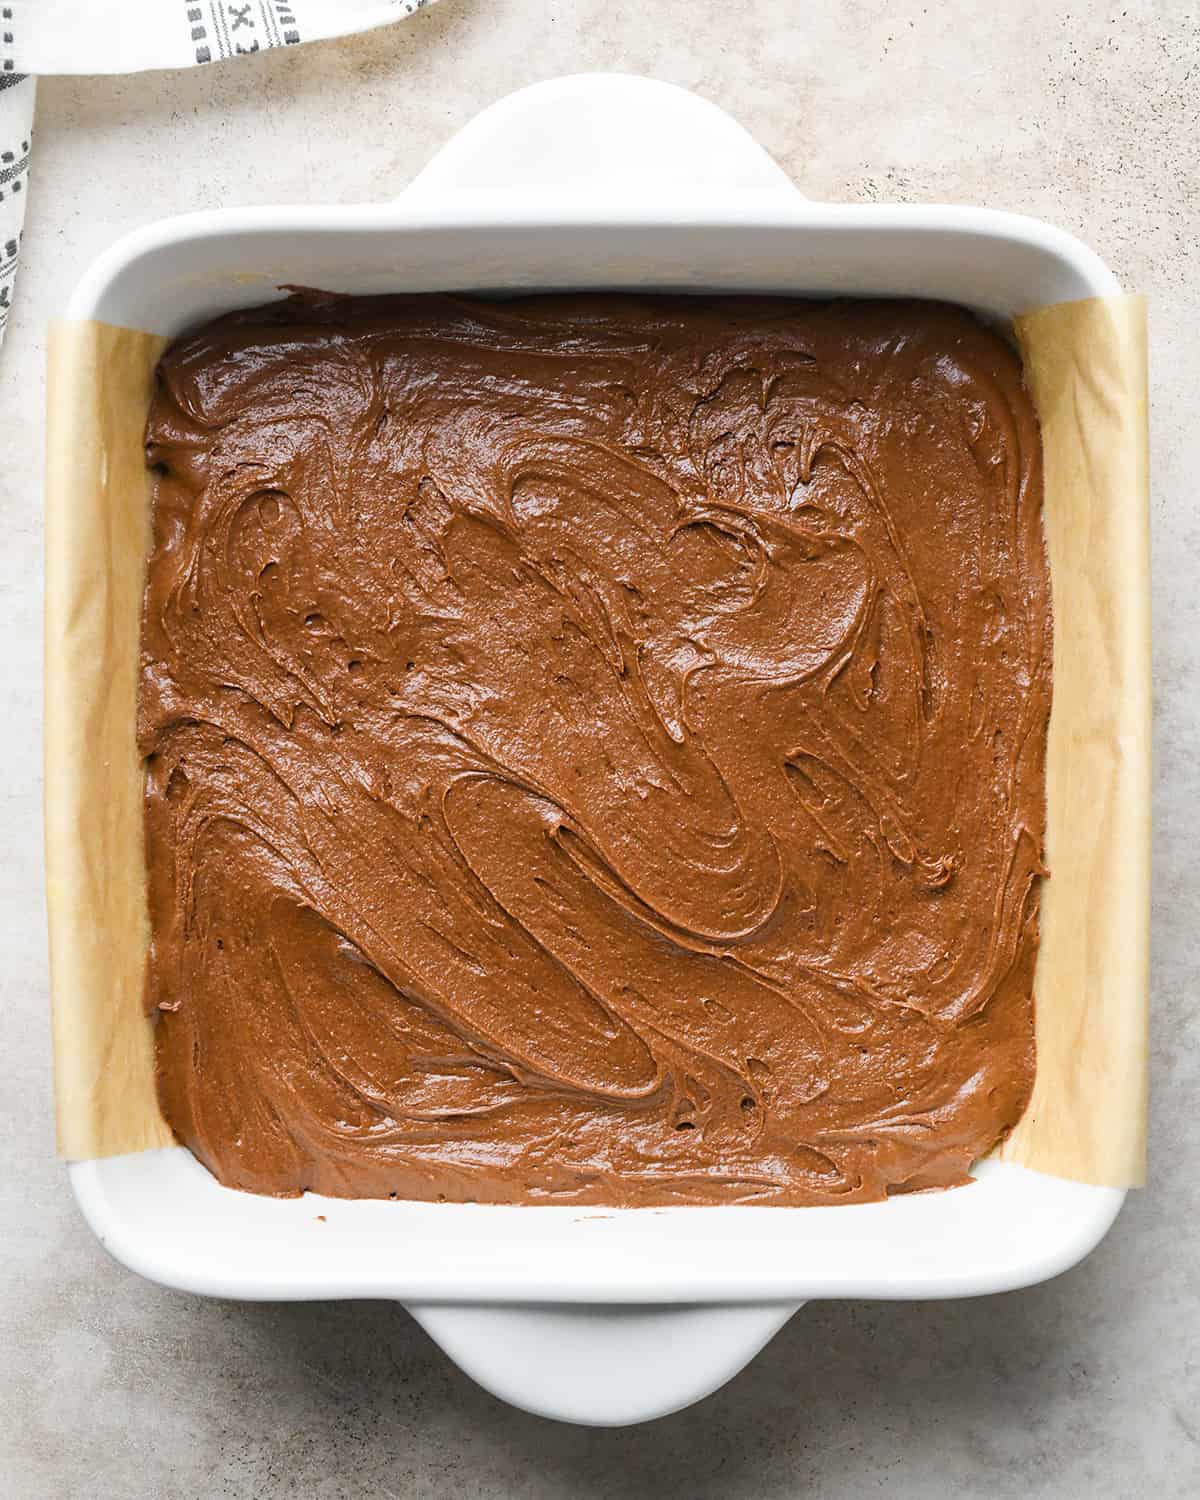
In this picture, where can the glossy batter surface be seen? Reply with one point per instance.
(594, 747)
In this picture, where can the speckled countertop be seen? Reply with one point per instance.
(1087, 1388)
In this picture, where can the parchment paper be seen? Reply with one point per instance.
(97, 512)
(1086, 367)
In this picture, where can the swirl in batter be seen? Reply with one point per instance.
(594, 747)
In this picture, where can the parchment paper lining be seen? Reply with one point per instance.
(1085, 365)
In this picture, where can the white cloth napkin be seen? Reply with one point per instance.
(129, 36)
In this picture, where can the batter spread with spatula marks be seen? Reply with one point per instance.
(594, 747)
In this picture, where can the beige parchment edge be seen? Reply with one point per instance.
(1086, 368)
(98, 389)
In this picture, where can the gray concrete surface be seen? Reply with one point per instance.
(1085, 114)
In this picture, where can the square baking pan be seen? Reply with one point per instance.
(599, 181)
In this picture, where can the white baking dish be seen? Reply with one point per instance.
(597, 181)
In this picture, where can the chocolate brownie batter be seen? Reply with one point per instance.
(594, 747)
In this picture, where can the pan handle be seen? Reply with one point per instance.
(611, 140)
(602, 1366)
